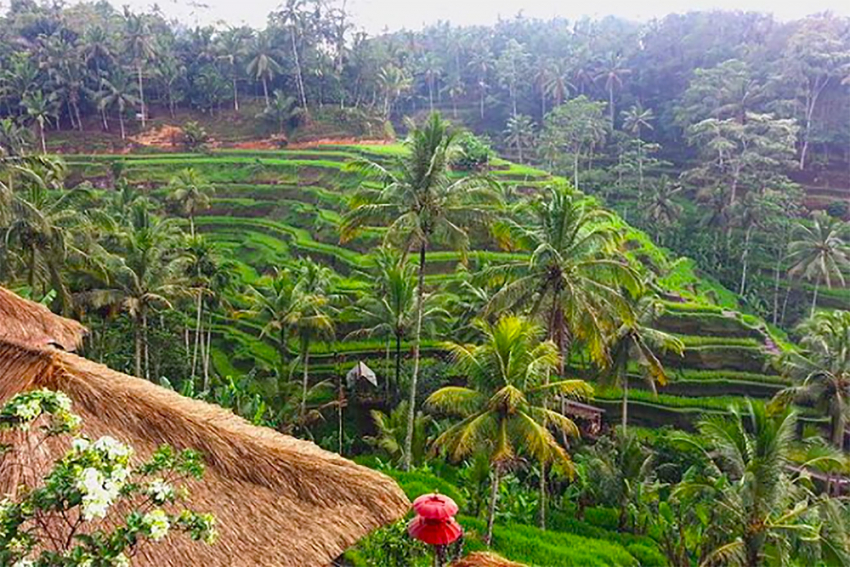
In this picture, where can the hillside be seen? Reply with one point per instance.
(270, 207)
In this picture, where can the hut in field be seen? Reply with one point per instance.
(279, 501)
(482, 559)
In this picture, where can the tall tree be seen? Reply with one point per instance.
(519, 133)
(575, 128)
(820, 252)
(116, 91)
(612, 72)
(422, 205)
(263, 64)
(191, 192)
(139, 43)
(502, 411)
(574, 280)
(41, 110)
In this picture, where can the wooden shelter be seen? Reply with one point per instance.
(279, 501)
(482, 559)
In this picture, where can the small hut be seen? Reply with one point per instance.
(485, 560)
(279, 501)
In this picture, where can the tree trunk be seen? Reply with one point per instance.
(776, 273)
(542, 514)
(266, 91)
(281, 349)
(137, 335)
(397, 360)
(302, 95)
(575, 169)
(235, 95)
(745, 256)
(305, 380)
(625, 422)
(121, 122)
(207, 355)
(494, 496)
(815, 298)
(146, 346)
(199, 307)
(411, 408)
(43, 141)
(838, 426)
(142, 96)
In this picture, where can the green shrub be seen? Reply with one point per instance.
(475, 152)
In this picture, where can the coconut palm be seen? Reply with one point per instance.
(574, 279)
(313, 316)
(139, 43)
(392, 431)
(503, 411)
(820, 253)
(764, 505)
(612, 73)
(263, 65)
(14, 139)
(393, 81)
(233, 47)
(191, 192)
(390, 308)
(294, 16)
(559, 85)
(519, 133)
(422, 205)
(635, 119)
(282, 111)
(636, 341)
(41, 110)
(116, 91)
(822, 370)
(273, 302)
(661, 209)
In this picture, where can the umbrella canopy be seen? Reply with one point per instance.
(435, 532)
(359, 371)
(435, 507)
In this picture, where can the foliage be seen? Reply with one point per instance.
(474, 153)
(93, 481)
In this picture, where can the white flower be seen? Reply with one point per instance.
(113, 448)
(87, 562)
(121, 561)
(98, 493)
(80, 445)
(24, 563)
(157, 523)
(120, 474)
(28, 410)
(63, 401)
(160, 491)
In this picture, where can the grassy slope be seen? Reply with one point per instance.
(271, 206)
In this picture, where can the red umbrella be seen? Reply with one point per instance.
(435, 507)
(435, 532)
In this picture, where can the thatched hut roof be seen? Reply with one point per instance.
(34, 324)
(482, 559)
(279, 501)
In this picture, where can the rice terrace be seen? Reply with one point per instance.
(532, 293)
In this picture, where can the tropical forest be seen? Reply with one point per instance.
(576, 290)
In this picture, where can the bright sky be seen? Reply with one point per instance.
(375, 15)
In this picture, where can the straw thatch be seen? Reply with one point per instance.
(485, 560)
(279, 501)
(34, 324)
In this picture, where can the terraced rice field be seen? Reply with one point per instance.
(272, 207)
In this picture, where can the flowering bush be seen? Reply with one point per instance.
(95, 507)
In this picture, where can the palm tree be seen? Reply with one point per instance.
(145, 271)
(233, 48)
(636, 340)
(273, 301)
(294, 16)
(763, 504)
(191, 192)
(14, 139)
(431, 72)
(116, 91)
(612, 72)
(820, 253)
(559, 85)
(392, 431)
(822, 370)
(390, 309)
(636, 119)
(661, 208)
(312, 318)
(393, 81)
(422, 204)
(282, 110)
(47, 228)
(519, 133)
(503, 411)
(574, 279)
(139, 44)
(42, 110)
(263, 65)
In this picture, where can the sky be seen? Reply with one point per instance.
(377, 15)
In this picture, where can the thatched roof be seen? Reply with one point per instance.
(482, 559)
(34, 324)
(279, 501)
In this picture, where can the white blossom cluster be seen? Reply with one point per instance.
(101, 486)
(157, 524)
(160, 491)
